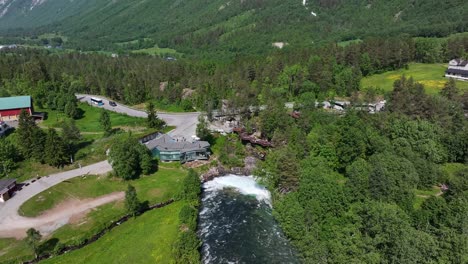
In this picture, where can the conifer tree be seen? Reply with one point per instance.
(30, 138)
(152, 119)
(105, 122)
(450, 90)
(55, 153)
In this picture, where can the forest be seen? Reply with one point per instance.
(299, 75)
(347, 188)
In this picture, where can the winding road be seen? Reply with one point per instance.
(11, 221)
(14, 225)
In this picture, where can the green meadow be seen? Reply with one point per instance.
(430, 75)
(157, 51)
(89, 122)
(160, 224)
(145, 239)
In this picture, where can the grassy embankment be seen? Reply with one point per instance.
(146, 239)
(154, 232)
(93, 145)
(431, 75)
(163, 106)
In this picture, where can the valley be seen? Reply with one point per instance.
(242, 131)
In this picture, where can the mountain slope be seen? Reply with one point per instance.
(33, 13)
(236, 25)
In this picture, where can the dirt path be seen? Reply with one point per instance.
(51, 220)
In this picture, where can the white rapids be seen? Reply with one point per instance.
(236, 224)
(243, 184)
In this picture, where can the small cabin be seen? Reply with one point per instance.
(7, 188)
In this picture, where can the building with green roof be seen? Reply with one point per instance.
(11, 107)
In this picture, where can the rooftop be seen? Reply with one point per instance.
(15, 102)
(167, 143)
(461, 62)
(4, 183)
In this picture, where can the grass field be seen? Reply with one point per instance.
(89, 122)
(162, 106)
(157, 51)
(431, 75)
(161, 186)
(146, 239)
(346, 43)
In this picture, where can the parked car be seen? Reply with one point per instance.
(112, 103)
(4, 128)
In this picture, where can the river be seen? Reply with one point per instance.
(236, 224)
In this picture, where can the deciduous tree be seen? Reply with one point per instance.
(33, 239)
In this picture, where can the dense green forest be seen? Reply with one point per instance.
(228, 28)
(299, 75)
(357, 188)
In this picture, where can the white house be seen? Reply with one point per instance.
(457, 69)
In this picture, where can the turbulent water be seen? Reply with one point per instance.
(236, 224)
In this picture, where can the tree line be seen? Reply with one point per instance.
(345, 188)
(299, 74)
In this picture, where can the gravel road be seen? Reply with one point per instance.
(9, 217)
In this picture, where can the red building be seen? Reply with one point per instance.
(11, 107)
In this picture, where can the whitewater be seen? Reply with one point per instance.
(236, 224)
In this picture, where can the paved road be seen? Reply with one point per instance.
(9, 210)
(185, 123)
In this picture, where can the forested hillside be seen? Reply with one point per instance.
(233, 26)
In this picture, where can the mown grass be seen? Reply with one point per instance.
(159, 187)
(89, 122)
(162, 106)
(157, 51)
(431, 75)
(13, 251)
(346, 43)
(146, 239)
